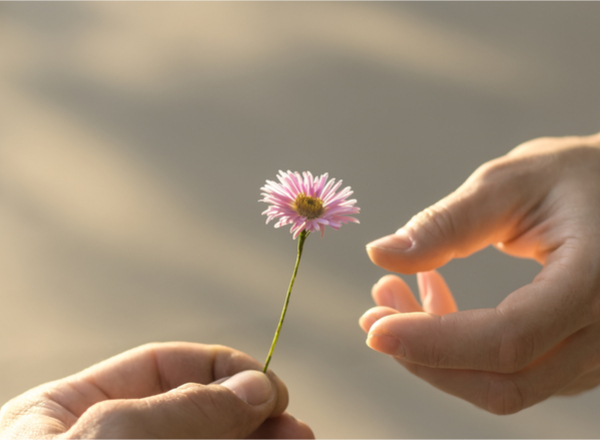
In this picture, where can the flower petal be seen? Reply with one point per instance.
(281, 197)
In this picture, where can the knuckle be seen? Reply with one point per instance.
(434, 358)
(109, 419)
(515, 351)
(510, 175)
(190, 387)
(437, 220)
(111, 411)
(503, 396)
(207, 400)
(540, 144)
(436, 353)
(106, 419)
(151, 346)
(494, 175)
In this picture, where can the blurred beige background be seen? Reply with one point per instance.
(134, 138)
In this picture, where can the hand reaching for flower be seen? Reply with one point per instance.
(158, 391)
(540, 201)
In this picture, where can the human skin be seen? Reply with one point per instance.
(163, 390)
(540, 201)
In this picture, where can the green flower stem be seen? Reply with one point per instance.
(301, 240)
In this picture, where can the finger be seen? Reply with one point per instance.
(435, 294)
(234, 409)
(392, 291)
(284, 426)
(563, 370)
(584, 383)
(156, 368)
(528, 323)
(484, 210)
(373, 315)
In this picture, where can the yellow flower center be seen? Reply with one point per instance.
(307, 206)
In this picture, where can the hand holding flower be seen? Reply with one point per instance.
(309, 204)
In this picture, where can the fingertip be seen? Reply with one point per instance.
(401, 241)
(282, 393)
(285, 426)
(385, 343)
(381, 294)
(392, 291)
(301, 430)
(305, 431)
(383, 338)
(388, 252)
(399, 333)
(435, 294)
(229, 362)
(365, 323)
(373, 315)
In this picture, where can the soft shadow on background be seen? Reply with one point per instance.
(134, 138)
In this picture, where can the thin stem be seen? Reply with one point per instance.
(301, 240)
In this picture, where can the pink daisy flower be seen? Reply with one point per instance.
(308, 203)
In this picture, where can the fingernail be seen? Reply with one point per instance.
(386, 344)
(253, 387)
(400, 241)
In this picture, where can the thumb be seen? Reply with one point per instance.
(233, 409)
(482, 211)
